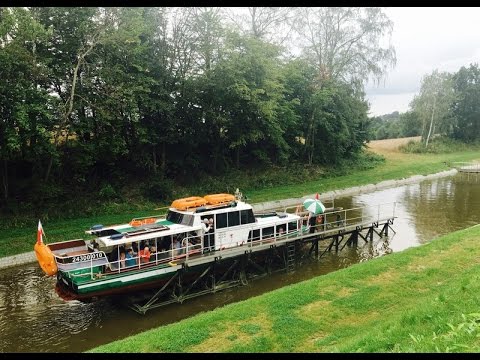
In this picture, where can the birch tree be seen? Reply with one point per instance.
(346, 43)
(433, 102)
(270, 24)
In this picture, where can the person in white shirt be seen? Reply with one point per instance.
(205, 229)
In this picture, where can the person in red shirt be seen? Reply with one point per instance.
(144, 255)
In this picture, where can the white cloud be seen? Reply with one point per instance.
(425, 39)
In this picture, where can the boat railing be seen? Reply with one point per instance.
(192, 246)
(347, 217)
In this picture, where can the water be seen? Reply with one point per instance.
(34, 319)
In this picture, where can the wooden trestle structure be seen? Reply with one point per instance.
(223, 269)
(468, 169)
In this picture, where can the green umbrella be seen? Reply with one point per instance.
(315, 206)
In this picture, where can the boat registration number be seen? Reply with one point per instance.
(87, 257)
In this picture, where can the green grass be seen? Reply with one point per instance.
(18, 234)
(424, 299)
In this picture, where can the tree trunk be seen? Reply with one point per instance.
(163, 157)
(49, 168)
(154, 155)
(68, 109)
(311, 138)
(5, 179)
(431, 122)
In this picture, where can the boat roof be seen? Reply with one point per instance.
(125, 233)
(143, 232)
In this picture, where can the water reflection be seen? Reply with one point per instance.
(34, 319)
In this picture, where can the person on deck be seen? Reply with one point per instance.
(210, 234)
(321, 222)
(144, 255)
(177, 246)
(312, 222)
(202, 233)
(130, 258)
(122, 260)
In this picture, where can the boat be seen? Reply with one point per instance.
(99, 266)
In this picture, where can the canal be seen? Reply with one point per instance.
(34, 319)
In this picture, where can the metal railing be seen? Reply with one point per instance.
(193, 245)
(466, 166)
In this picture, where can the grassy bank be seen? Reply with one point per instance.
(19, 237)
(424, 299)
(397, 166)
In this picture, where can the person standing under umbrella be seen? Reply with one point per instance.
(312, 222)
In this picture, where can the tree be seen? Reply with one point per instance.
(25, 108)
(344, 43)
(410, 124)
(466, 106)
(433, 102)
(270, 24)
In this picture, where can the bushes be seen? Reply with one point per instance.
(159, 189)
(107, 192)
(439, 145)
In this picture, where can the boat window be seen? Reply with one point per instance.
(221, 221)
(106, 232)
(254, 235)
(177, 218)
(174, 217)
(292, 226)
(246, 217)
(187, 220)
(267, 232)
(233, 218)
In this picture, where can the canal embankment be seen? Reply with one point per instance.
(29, 257)
(423, 299)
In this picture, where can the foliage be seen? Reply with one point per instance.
(107, 192)
(344, 43)
(439, 145)
(94, 99)
(448, 104)
(466, 107)
(395, 125)
(432, 104)
(159, 189)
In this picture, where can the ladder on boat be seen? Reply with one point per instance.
(290, 256)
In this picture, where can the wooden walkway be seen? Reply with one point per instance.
(467, 167)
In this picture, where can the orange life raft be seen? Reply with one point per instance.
(45, 259)
(139, 222)
(215, 199)
(190, 202)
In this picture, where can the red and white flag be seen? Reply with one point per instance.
(40, 232)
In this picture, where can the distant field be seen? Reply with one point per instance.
(390, 145)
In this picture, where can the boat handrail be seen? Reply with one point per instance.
(332, 222)
(148, 217)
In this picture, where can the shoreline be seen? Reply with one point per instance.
(29, 257)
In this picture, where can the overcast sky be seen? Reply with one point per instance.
(425, 39)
